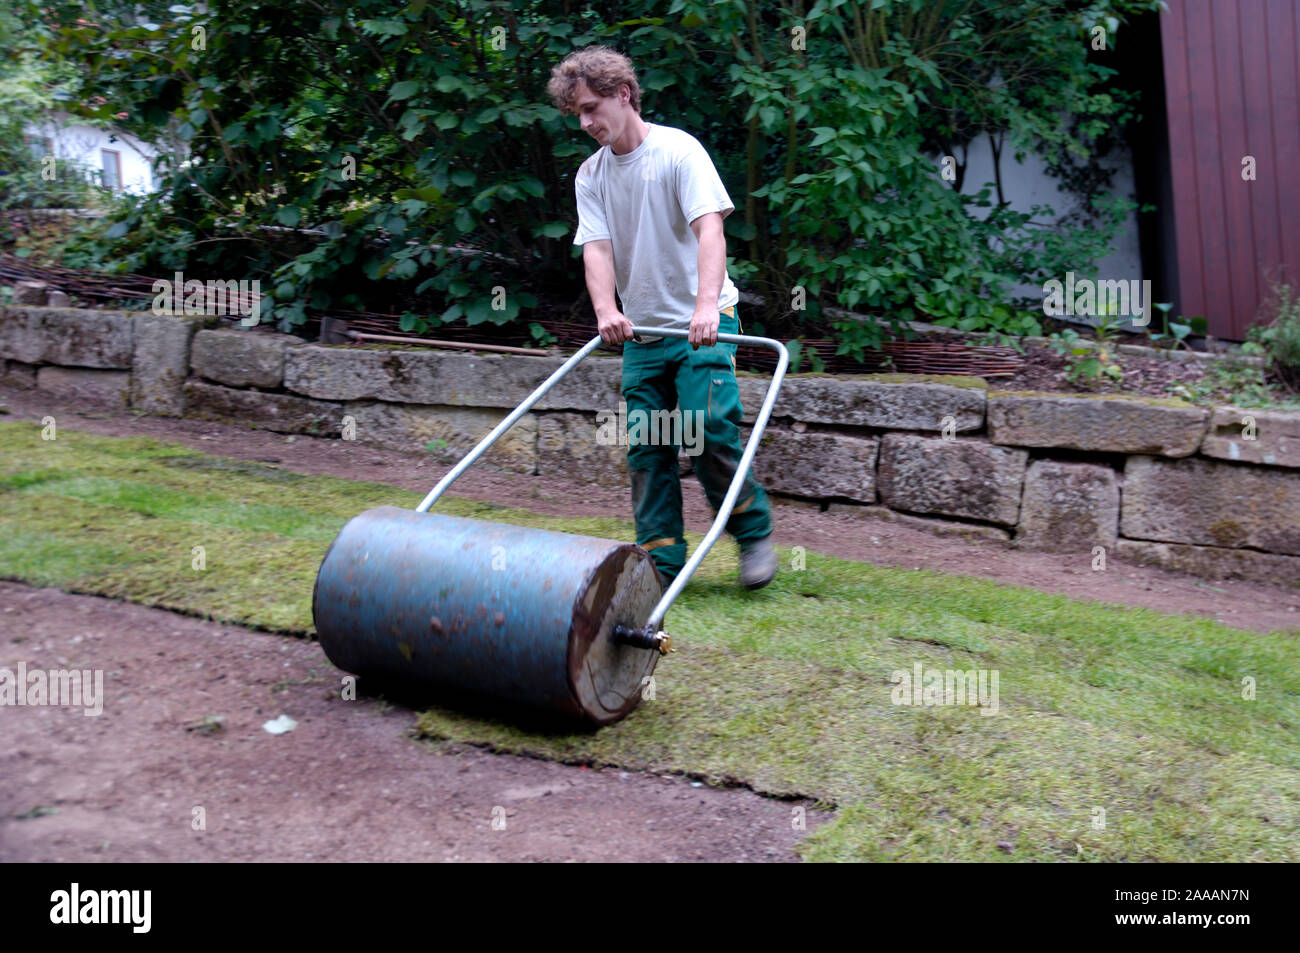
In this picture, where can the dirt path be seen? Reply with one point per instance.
(1253, 606)
(346, 784)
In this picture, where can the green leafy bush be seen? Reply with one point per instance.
(29, 82)
(385, 154)
(1280, 337)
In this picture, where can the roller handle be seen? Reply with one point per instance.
(650, 632)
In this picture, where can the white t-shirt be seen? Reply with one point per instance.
(644, 202)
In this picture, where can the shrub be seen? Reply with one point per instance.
(363, 153)
(1280, 336)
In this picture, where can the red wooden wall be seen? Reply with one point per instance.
(1232, 71)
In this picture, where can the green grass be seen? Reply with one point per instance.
(1102, 708)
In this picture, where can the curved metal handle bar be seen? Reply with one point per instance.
(733, 491)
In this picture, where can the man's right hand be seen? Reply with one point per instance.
(614, 328)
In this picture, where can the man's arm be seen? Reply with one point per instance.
(598, 263)
(712, 266)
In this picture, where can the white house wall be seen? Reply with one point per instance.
(83, 143)
(1027, 183)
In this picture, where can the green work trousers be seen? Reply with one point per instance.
(662, 374)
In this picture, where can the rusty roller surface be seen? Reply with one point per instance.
(509, 612)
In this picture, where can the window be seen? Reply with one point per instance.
(112, 164)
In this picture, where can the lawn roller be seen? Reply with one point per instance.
(553, 621)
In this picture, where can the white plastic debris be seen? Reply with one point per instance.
(280, 726)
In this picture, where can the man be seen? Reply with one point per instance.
(650, 211)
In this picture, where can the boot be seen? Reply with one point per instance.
(758, 563)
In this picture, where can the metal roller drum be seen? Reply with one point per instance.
(508, 612)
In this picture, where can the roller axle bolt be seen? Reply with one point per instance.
(644, 639)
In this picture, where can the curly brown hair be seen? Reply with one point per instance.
(604, 70)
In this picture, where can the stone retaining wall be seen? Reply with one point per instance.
(1148, 480)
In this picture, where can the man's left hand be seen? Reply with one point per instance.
(704, 329)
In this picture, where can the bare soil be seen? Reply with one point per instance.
(1045, 370)
(347, 784)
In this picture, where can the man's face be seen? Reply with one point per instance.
(602, 117)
